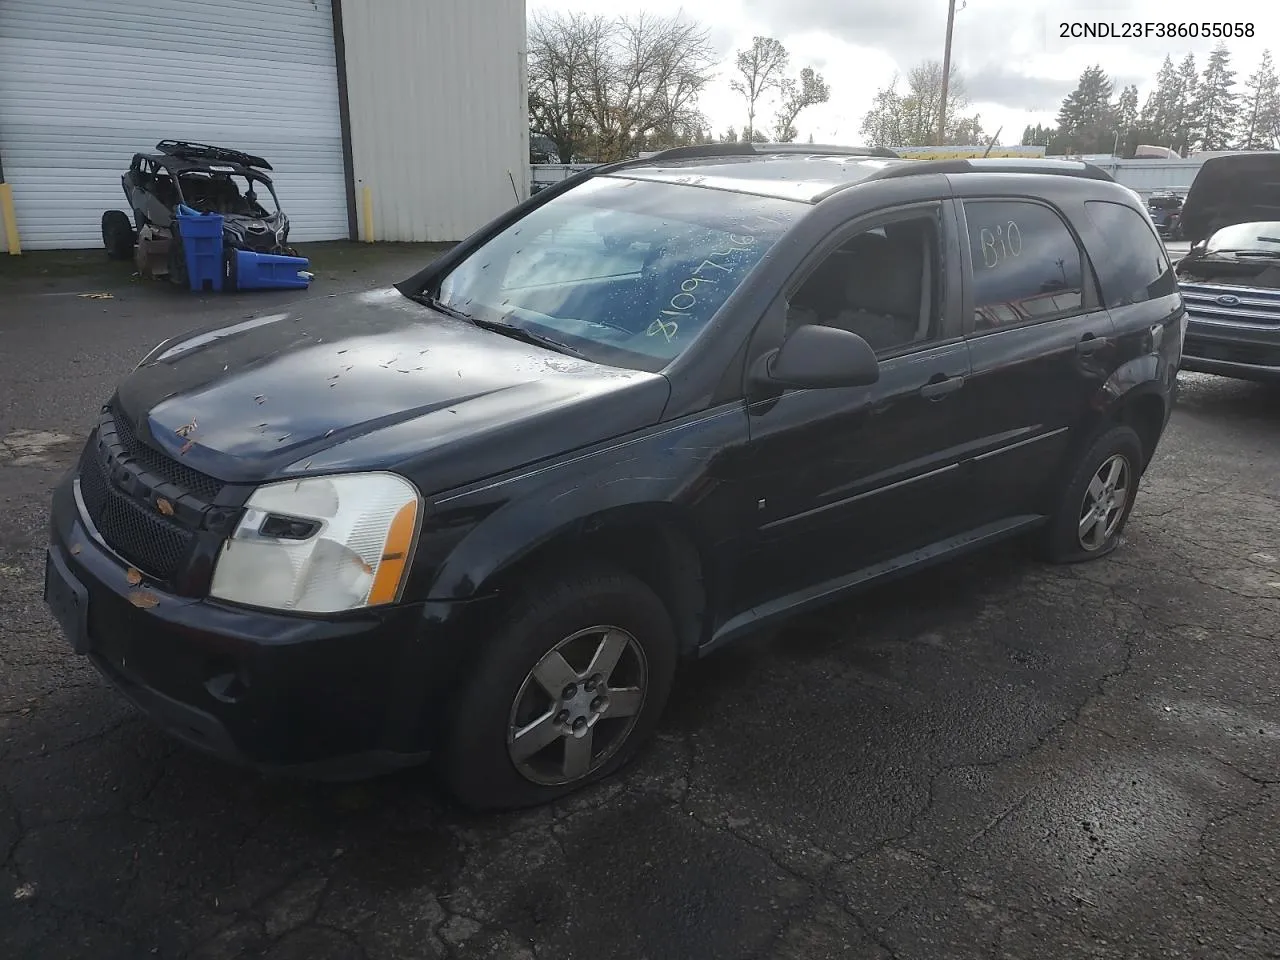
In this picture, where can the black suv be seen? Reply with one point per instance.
(483, 514)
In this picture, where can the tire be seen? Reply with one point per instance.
(118, 235)
(1062, 540)
(570, 615)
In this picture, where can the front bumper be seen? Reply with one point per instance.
(330, 698)
(1242, 350)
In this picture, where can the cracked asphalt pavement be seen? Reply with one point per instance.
(992, 759)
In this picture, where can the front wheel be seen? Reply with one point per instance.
(571, 686)
(1095, 504)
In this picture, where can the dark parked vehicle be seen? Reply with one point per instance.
(483, 514)
(206, 179)
(1231, 278)
(1166, 213)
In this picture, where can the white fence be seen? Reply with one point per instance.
(1142, 176)
(545, 174)
(1145, 177)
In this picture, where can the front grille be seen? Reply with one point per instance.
(193, 481)
(260, 242)
(138, 533)
(1224, 303)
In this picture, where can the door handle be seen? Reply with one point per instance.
(1090, 343)
(941, 386)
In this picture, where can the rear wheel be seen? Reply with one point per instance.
(118, 235)
(1095, 504)
(571, 686)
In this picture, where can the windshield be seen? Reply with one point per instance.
(1263, 237)
(1164, 203)
(229, 194)
(623, 272)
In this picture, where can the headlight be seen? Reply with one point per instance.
(321, 544)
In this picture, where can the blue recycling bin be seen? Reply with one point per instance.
(201, 235)
(270, 271)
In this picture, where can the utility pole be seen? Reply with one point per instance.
(946, 74)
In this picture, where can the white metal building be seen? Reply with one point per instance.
(384, 119)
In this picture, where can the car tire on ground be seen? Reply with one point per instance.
(573, 682)
(1095, 504)
(117, 235)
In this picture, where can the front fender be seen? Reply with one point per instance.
(679, 474)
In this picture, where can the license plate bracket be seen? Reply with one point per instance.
(68, 601)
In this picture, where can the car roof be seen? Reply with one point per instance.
(177, 165)
(810, 173)
(782, 176)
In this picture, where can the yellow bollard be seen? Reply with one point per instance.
(368, 215)
(9, 218)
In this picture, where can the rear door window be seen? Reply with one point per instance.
(1027, 266)
(1136, 267)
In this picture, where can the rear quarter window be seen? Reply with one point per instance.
(1135, 266)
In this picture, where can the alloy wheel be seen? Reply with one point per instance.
(1104, 503)
(577, 706)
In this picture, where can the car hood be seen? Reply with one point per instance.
(374, 381)
(1238, 188)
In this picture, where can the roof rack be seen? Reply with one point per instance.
(712, 150)
(185, 150)
(1060, 168)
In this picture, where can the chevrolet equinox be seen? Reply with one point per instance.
(482, 515)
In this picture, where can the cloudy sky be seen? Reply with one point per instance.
(1016, 67)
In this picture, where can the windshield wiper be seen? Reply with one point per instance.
(454, 312)
(506, 329)
(528, 336)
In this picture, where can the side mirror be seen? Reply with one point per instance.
(814, 357)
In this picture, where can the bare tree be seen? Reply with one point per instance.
(911, 119)
(669, 61)
(762, 68)
(810, 89)
(560, 51)
(610, 87)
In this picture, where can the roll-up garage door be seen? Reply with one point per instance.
(85, 84)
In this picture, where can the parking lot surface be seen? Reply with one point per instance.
(992, 759)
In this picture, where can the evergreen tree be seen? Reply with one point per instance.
(1147, 131)
(1217, 105)
(1085, 120)
(1260, 119)
(1186, 125)
(1126, 121)
(1037, 136)
(1162, 112)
